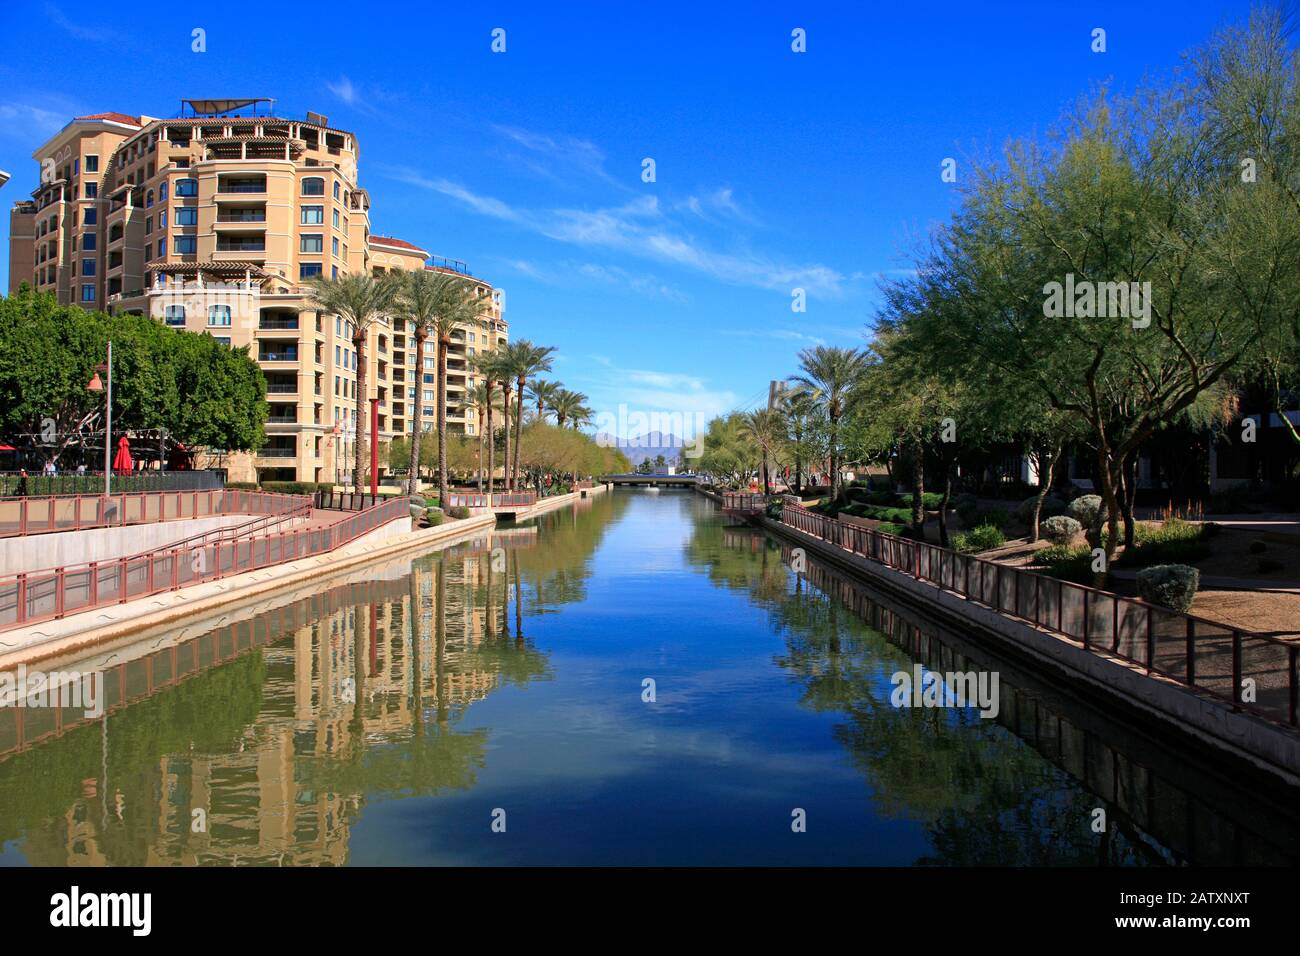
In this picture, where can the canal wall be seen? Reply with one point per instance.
(1179, 709)
(82, 632)
(559, 501)
(61, 549)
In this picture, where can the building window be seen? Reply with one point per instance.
(148, 199)
(162, 249)
(187, 216)
(92, 216)
(313, 186)
(88, 292)
(88, 242)
(162, 190)
(87, 267)
(313, 215)
(311, 243)
(187, 187)
(148, 224)
(308, 270)
(185, 245)
(223, 340)
(334, 272)
(336, 218)
(92, 191)
(175, 315)
(218, 315)
(334, 245)
(76, 166)
(336, 190)
(92, 164)
(162, 219)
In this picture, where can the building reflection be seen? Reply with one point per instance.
(259, 743)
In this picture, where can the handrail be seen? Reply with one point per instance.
(32, 597)
(500, 499)
(1217, 659)
(26, 515)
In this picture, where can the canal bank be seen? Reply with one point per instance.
(1148, 699)
(77, 632)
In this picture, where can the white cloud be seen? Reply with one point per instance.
(344, 90)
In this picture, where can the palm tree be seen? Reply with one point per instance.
(491, 366)
(360, 300)
(432, 301)
(483, 397)
(542, 393)
(524, 359)
(797, 405)
(764, 427)
(832, 373)
(457, 306)
(564, 403)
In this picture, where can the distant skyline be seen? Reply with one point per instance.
(775, 170)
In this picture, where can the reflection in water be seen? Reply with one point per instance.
(378, 720)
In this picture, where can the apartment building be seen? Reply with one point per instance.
(213, 222)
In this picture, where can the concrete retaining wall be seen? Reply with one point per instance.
(1180, 708)
(60, 549)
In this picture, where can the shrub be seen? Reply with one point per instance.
(1088, 510)
(997, 517)
(773, 510)
(930, 501)
(1067, 562)
(967, 507)
(242, 485)
(1052, 506)
(459, 511)
(1060, 529)
(1171, 542)
(295, 487)
(1169, 585)
(418, 506)
(983, 538)
(889, 527)
(433, 516)
(1258, 547)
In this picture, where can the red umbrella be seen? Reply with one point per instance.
(122, 463)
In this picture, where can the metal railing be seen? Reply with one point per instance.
(92, 482)
(1253, 672)
(508, 499)
(30, 598)
(348, 500)
(743, 502)
(27, 516)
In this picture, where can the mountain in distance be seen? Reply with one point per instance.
(645, 447)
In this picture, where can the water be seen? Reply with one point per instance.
(335, 729)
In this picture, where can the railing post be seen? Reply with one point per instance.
(58, 592)
(1151, 641)
(1236, 667)
(21, 615)
(1191, 652)
(1087, 619)
(121, 580)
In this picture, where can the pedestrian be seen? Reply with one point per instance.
(21, 490)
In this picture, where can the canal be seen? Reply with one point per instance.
(631, 680)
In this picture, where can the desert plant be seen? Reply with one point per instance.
(1052, 506)
(458, 511)
(1060, 529)
(983, 538)
(1088, 510)
(1169, 585)
(433, 516)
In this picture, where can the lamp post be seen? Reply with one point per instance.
(96, 385)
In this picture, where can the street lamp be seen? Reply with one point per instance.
(96, 385)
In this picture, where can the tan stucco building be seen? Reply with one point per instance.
(213, 222)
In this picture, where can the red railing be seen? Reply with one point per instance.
(508, 499)
(47, 595)
(26, 515)
(1253, 672)
(743, 502)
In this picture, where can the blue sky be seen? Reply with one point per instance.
(775, 170)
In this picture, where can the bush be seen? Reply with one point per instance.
(1169, 585)
(433, 516)
(418, 506)
(1067, 562)
(1052, 506)
(983, 538)
(967, 507)
(1060, 529)
(773, 510)
(997, 517)
(1171, 542)
(459, 511)
(889, 527)
(1088, 510)
(242, 485)
(295, 487)
(930, 501)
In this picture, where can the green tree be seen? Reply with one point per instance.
(832, 374)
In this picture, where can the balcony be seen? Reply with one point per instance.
(255, 243)
(277, 353)
(273, 451)
(241, 185)
(278, 322)
(281, 388)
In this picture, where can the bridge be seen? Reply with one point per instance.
(652, 481)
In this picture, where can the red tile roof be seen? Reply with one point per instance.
(396, 243)
(113, 118)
